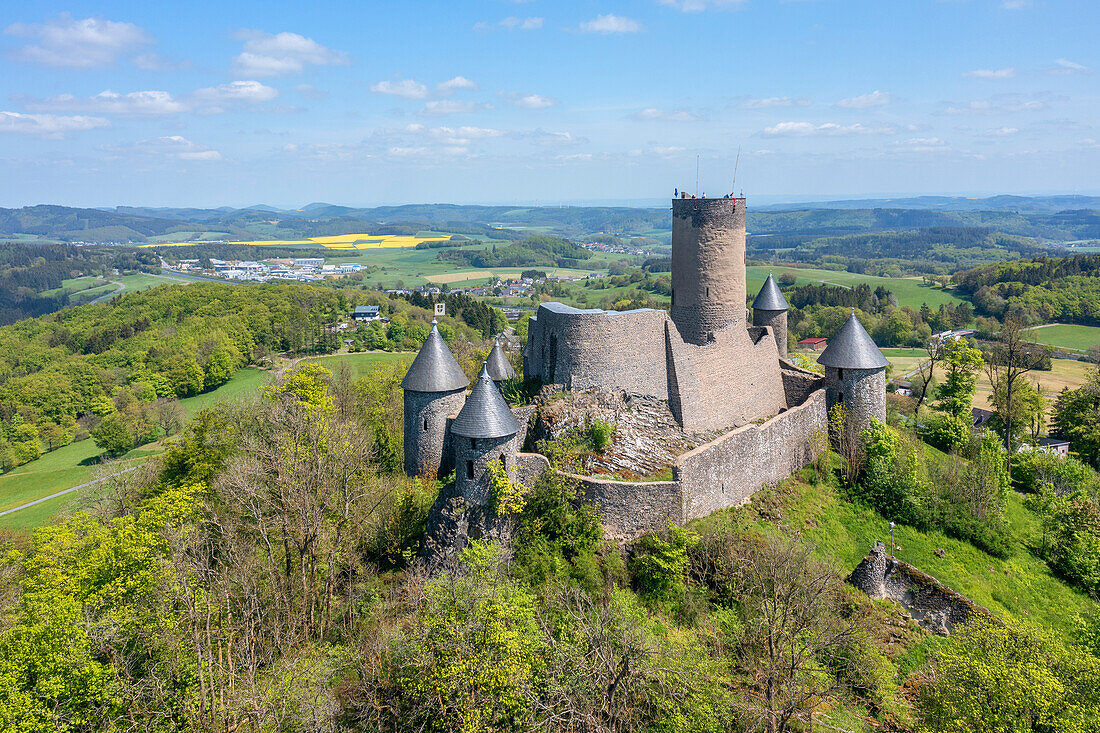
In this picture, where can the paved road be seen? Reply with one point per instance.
(111, 294)
(66, 491)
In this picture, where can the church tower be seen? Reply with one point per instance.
(708, 265)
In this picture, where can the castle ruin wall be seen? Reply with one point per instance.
(730, 469)
(799, 384)
(863, 392)
(427, 437)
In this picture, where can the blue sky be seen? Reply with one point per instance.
(238, 103)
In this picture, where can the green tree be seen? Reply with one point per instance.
(219, 369)
(1076, 416)
(1009, 679)
(113, 435)
(962, 363)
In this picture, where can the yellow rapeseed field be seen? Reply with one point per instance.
(339, 241)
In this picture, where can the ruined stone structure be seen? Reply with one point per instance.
(743, 415)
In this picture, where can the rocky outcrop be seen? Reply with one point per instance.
(931, 603)
(453, 522)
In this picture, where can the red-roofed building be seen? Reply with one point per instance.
(817, 344)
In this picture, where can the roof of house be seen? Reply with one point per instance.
(852, 348)
(770, 298)
(485, 414)
(366, 308)
(434, 369)
(811, 341)
(498, 365)
(1053, 441)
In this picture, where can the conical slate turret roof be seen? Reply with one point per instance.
(498, 365)
(852, 348)
(434, 369)
(485, 414)
(770, 298)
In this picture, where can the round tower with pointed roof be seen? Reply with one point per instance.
(500, 369)
(770, 309)
(855, 374)
(484, 430)
(435, 389)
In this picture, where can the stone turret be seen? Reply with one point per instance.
(435, 389)
(855, 374)
(708, 265)
(770, 309)
(500, 369)
(485, 430)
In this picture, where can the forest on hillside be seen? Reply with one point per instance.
(1039, 290)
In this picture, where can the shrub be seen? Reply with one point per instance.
(659, 562)
(599, 433)
(947, 432)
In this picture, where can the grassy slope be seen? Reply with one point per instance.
(1067, 336)
(363, 363)
(1019, 587)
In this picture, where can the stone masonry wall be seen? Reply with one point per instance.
(934, 606)
(728, 382)
(708, 265)
(728, 470)
(426, 436)
(582, 349)
(799, 384)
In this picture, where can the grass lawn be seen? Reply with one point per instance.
(243, 384)
(904, 360)
(1066, 373)
(1019, 587)
(910, 291)
(363, 363)
(1066, 336)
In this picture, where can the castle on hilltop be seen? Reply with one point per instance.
(746, 415)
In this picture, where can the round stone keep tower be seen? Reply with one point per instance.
(855, 374)
(770, 309)
(435, 388)
(708, 265)
(485, 430)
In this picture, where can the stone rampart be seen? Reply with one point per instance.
(582, 349)
(730, 381)
(729, 470)
(931, 603)
(799, 384)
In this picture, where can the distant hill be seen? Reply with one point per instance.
(951, 203)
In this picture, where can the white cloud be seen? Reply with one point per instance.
(87, 43)
(133, 104)
(1006, 73)
(523, 24)
(452, 85)
(443, 107)
(610, 24)
(528, 101)
(453, 136)
(805, 129)
(404, 152)
(51, 126)
(406, 88)
(1064, 67)
(863, 101)
(176, 146)
(666, 151)
(212, 100)
(1001, 104)
(1002, 131)
(542, 137)
(769, 102)
(267, 54)
(698, 6)
(668, 115)
(922, 144)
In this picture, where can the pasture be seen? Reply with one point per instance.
(361, 364)
(339, 241)
(1066, 336)
(910, 291)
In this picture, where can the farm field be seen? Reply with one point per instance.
(1065, 374)
(363, 363)
(910, 291)
(1066, 336)
(469, 275)
(339, 241)
(904, 360)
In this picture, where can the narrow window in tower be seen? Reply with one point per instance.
(840, 374)
(469, 469)
(840, 397)
(503, 462)
(425, 424)
(708, 293)
(473, 443)
(672, 296)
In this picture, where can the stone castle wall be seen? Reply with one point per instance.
(799, 384)
(427, 439)
(732, 380)
(708, 265)
(729, 470)
(582, 349)
(931, 603)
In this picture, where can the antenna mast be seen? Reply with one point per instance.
(696, 176)
(736, 163)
